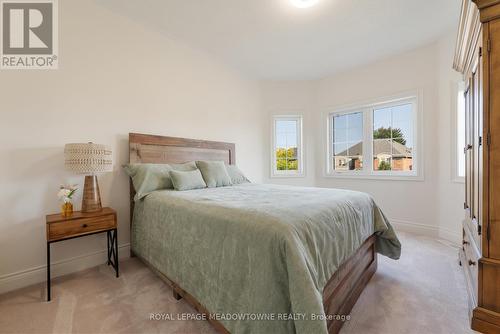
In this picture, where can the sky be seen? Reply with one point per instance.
(402, 118)
(286, 133)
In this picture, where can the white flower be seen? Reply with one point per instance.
(63, 193)
(66, 193)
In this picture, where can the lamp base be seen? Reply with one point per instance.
(91, 201)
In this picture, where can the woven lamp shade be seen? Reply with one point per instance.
(88, 158)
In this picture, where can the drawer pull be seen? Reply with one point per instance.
(472, 263)
(465, 242)
(84, 225)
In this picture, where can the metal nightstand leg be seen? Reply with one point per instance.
(116, 253)
(48, 271)
(113, 250)
(108, 234)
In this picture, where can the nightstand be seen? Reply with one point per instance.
(81, 224)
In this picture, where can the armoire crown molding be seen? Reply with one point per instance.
(468, 34)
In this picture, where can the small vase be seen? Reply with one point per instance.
(67, 209)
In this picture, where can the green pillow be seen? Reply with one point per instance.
(187, 180)
(150, 177)
(187, 166)
(214, 173)
(236, 175)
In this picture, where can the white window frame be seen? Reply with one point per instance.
(288, 173)
(367, 108)
(457, 151)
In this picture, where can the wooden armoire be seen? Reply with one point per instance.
(477, 56)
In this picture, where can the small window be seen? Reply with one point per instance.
(287, 148)
(374, 140)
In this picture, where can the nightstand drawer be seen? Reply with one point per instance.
(65, 229)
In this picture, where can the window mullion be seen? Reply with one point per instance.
(368, 141)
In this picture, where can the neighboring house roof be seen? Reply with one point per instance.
(381, 146)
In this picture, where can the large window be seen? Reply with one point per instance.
(287, 148)
(373, 140)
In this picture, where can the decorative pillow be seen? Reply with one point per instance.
(187, 180)
(236, 175)
(187, 166)
(214, 173)
(150, 177)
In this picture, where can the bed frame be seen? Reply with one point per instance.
(343, 288)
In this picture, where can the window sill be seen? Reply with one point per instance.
(284, 175)
(458, 180)
(417, 178)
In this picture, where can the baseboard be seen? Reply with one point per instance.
(422, 229)
(452, 236)
(38, 274)
(427, 230)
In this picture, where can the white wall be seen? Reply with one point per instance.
(115, 77)
(432, 206)
(291, 98)
(451, 193)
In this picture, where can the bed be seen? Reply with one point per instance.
(257, 258)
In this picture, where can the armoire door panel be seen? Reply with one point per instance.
(494, 140)
(467, 152)
(485, 96)
(481, 145)
(475, 145)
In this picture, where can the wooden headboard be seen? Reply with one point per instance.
(145, 148)
(163, 150)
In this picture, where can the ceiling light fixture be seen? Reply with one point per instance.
(304, 3)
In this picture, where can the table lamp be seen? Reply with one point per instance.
(89, 158)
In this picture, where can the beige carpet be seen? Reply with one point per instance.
(421, 293)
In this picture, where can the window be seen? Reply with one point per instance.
(393, 138)
(460, 135)
(287, 148)
(374, 140)
(347, 142)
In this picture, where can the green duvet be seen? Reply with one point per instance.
(258, 256)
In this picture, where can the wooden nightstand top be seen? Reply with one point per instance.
(57, 217)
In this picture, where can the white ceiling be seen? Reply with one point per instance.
(270, 39)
